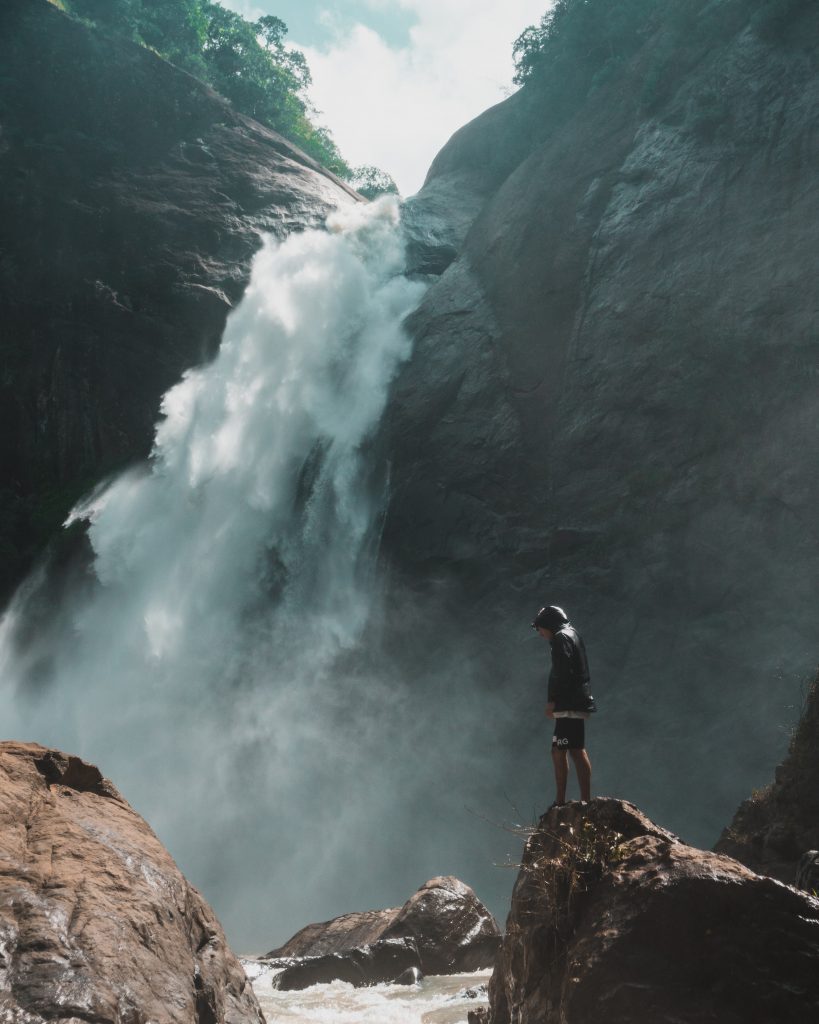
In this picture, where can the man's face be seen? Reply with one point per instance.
(545, 633)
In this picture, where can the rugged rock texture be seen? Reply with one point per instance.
(612, 401)
(384, 961)
(779, 824)
(615, 919)
(444, 920)
(96, 921)
(132, 201)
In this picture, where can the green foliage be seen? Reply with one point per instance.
(248, 62)
(371, 181)
(579, 43)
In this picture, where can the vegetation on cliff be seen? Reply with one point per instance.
(248, 62)
(578, 45)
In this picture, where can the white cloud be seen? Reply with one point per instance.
(396, 107)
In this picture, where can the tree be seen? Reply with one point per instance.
(371, 181)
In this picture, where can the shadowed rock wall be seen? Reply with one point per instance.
(612, 406)
(133, 196)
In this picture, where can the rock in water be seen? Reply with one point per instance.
(97, 923)
(368, 965)
(614, 919)
(452, 930)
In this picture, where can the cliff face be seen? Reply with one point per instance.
(132, 203)
(97, 922)
(613, 918)
(612, 402)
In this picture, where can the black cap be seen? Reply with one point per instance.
(551, 617)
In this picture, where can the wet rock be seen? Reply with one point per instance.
(451, 927)
(614, 918)
(807, 872)
(368, 965)
(97, 922)
(452, 930)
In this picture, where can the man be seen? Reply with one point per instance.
(569, 699)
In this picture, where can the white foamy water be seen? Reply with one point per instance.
(437, 1000)
(200, 669)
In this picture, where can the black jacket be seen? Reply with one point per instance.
(569, 686)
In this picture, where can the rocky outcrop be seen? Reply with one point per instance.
(615, 919)
(612, 402)
(386, 961)
(131, 209)
(97, 923)
(444, 923)
(777, 826)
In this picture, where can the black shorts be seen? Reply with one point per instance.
(570, 734)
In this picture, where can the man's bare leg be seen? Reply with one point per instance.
(561, 763)
(582, 765)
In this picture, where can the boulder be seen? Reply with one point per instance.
(447, 923)
(451, 927)
(615, 919)
(337, 936)
(383, 961)
(97, 923)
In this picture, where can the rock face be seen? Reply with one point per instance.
(97, 922)
(774, 829)
(134, 197)
(612, 402)
(615, 919)
(444, 922)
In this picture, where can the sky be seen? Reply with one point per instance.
(393, 79)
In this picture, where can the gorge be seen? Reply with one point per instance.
(610, 403)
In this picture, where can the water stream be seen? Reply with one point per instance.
(200, 665)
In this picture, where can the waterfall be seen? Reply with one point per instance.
(204, 667)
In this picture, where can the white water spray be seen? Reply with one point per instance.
(200, 671)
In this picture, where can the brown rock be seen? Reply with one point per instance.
(615, 919)
(96, 921)
(452, 929)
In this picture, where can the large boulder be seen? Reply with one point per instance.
(137, 200)
(444, 921)
(615, 919)
(383, 961)
(97, 923)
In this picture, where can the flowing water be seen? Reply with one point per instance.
(437, 1000)
(202, 664)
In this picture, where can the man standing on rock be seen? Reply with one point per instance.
(569, 699)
